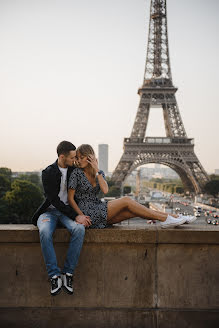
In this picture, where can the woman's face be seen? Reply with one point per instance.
(82, 160)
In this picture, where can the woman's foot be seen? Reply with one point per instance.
(176, 216)
(172, 222)
(189, 218)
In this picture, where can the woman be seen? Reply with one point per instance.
(85, 183)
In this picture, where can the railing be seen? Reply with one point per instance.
(160, 140)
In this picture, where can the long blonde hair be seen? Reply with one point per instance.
(86, 150)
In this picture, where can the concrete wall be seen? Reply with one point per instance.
(126, 277)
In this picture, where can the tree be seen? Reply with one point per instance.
(214, 177)
(110, 182)
(6, 172)
(4, 215)
(113, 192)
(23, 200)
(212, 187)
(179, 190)
(127, 190)
(32, 177)
(5, 184)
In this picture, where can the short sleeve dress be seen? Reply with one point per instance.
(87, 200)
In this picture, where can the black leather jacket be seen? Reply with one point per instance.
(51, 178)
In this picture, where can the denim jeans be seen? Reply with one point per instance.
(47, 223)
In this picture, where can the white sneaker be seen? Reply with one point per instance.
(56, 285)
(172, 222)
(190, 218)
(67, 283)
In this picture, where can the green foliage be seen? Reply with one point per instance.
(127, 190)
(33, 178)
(113, 192)
(171, 186)
(159, 180)
(109, 182)
(19, 197)
(214, 177)
(5, 184)
(179, 190)
(6, 172)
(22, 200)
(212, 187)
(4, 213)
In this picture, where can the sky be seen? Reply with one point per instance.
(70, 70)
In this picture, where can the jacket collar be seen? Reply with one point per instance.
(56, 167)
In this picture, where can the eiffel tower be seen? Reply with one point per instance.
(175, 150)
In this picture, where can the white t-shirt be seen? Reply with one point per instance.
(63, 193)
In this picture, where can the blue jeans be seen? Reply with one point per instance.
(47, 223)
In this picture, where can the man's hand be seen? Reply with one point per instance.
(83, 219)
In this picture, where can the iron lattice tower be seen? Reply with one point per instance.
(175, 150)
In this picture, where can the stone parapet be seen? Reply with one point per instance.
(127, 276)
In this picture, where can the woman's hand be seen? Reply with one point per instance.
(102, 182)
(83, 219)
(93, 162)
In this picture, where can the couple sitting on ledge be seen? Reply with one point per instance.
(71, 186)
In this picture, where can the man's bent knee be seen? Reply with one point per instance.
(79, 229)
(45, 235)
(45, 229)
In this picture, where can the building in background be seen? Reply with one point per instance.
(103, 157)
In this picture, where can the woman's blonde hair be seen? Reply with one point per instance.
(86, 150)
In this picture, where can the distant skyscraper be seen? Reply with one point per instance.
(103, 157)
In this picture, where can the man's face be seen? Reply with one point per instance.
(69, 160)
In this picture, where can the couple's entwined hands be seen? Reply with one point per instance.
(83, 219)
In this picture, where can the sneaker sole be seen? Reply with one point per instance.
(66, 290)
(168, 225)
(195, 218)
(56, 293)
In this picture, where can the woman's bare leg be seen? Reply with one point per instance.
(115, 207)
(174, 215)
(121, 216)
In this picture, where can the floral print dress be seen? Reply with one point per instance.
(87, 200)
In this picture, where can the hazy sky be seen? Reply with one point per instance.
(70, 70)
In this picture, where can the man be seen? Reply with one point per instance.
(54, 210)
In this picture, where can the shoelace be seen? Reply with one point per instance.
(54, 282)
(69, 281)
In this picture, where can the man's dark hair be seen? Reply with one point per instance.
(64, 147)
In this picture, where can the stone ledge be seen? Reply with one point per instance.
(127, 276)
(106, 318)
(140, 234)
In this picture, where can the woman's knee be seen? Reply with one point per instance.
(126, 201)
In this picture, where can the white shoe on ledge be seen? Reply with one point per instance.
(172, 222)
(189, 218)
